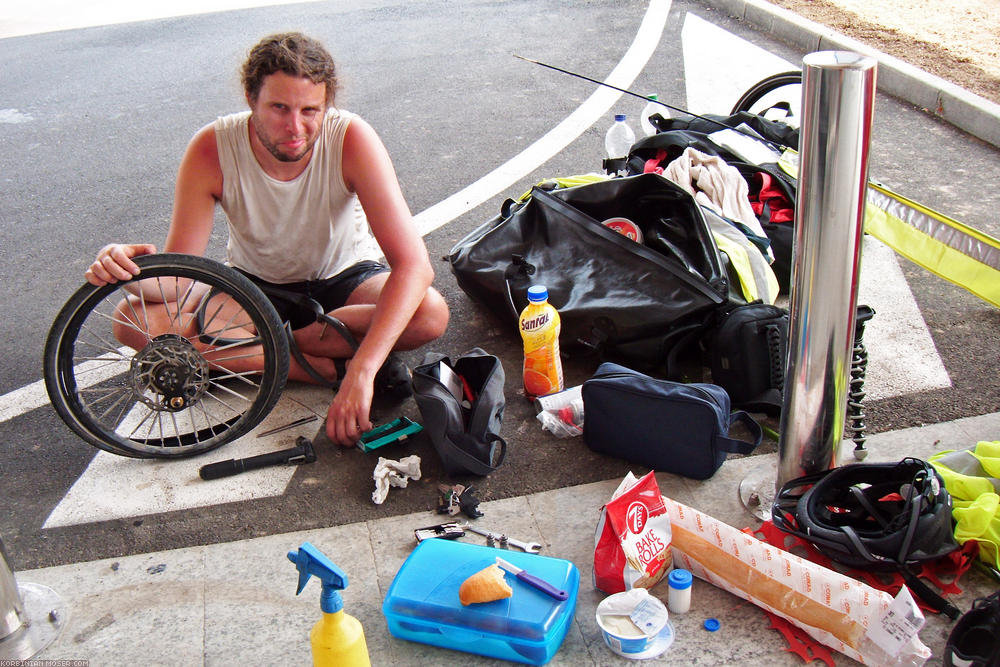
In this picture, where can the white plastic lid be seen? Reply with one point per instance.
(679, 578)
(537, 293)
(619, 116)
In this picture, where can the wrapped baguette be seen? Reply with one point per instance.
(832, 608)
(486, 585)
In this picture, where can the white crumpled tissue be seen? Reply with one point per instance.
(393, 473)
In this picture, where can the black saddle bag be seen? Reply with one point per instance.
(462, 416)
(614, 295)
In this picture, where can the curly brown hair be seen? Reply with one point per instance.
(292, 53)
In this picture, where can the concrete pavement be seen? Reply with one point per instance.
(235, 603)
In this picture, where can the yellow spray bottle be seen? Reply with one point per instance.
(337, 639)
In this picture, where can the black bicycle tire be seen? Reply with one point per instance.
(62, 336)
(763, 87)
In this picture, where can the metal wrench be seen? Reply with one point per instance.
(529, 547)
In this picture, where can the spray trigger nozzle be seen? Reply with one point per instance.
(310, 561)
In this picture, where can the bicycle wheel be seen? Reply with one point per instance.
(778, 97)
(129, 369)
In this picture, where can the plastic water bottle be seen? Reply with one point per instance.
(619, 138)
(648, 129)
(539, 325)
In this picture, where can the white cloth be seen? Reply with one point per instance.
(393, 473)
(716, 185)
(309, 228)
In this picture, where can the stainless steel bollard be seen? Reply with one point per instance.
(31, 615)
(838, 98)
(11, 604)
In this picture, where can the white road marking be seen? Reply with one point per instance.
(593, 109)
(113, 487)
(34, 395)
(117, 487)
(719, 66)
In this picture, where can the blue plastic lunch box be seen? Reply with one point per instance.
(422, 604)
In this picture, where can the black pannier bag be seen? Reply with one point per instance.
(674, 135)
(614, 295)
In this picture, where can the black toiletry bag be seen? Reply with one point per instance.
(664, 425)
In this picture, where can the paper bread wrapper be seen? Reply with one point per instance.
(832, 608)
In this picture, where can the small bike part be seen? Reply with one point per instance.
(447, 531)
(162, 372)
(855, 426)
(394, 431)
(303, 453)
(297, 422)
(469, 504)
(449, 502)
(530, 547)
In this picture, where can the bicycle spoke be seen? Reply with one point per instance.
(229, 326)
(99, 342)
(217, 398)
(208, 420)
(177, 429)
(116, 395)
(243, 376)
(150, 415)
(128, 323)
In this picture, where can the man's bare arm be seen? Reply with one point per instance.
(369, 172)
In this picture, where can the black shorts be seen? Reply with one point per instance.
(331, 293)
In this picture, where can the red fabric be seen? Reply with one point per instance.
(781, 210)
(654, 165)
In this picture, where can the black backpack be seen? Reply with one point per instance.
(745, 347)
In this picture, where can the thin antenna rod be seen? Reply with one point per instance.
(643, 97)
(608, 85)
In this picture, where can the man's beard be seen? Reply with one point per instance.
(273, 149)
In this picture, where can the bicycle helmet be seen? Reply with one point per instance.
(884, 516)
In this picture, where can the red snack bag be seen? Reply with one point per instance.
(632, 540)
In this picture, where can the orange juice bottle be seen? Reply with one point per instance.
(539, 325)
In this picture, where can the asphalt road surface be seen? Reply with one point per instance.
(93, 122)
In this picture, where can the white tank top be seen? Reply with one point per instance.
(309, 228)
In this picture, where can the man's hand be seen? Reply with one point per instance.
(114, 263)
(348, 416)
